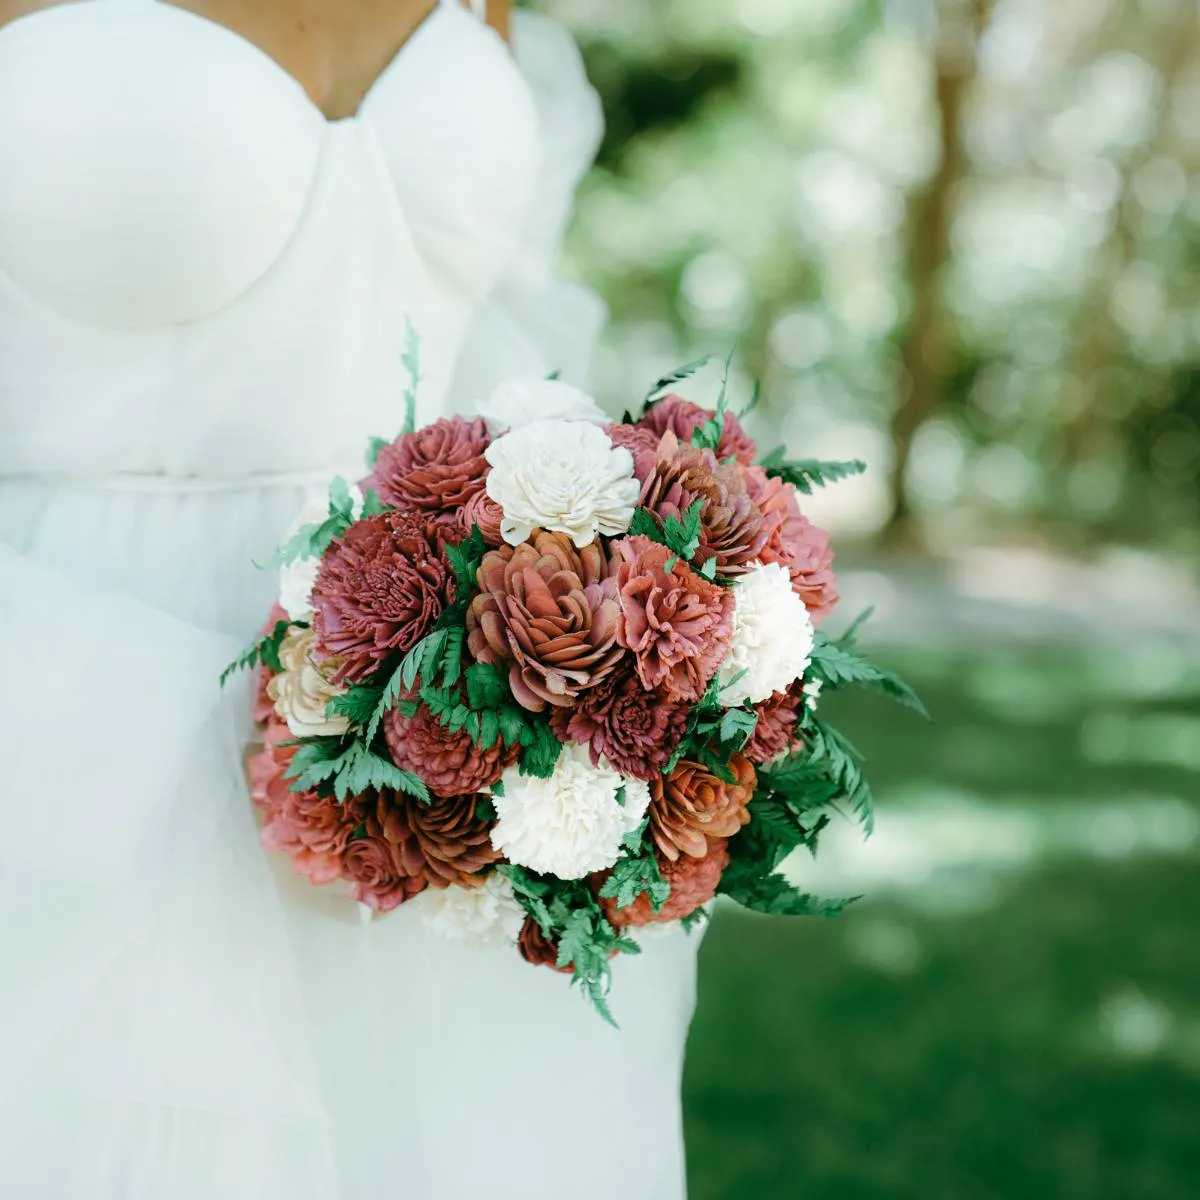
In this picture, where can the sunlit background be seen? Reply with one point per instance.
(958, 239)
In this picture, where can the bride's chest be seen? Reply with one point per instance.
(161, 170)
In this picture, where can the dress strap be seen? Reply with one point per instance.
(478, 7)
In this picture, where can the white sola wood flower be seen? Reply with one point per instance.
(564, 476)
(297, 579)
(523, 401)
(772, 637)
(572, 823)
(488, 915)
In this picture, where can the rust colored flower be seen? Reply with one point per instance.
(676, 623)
(775, 732)
(732, 527)
(436, 469)
(550, 611)
(483, 511)
(693, 883)
(537, 949)
(634, 729)
(379, 591)
(385, 866)
(456, 843)
(694, 805)
(795, 542)
(682, 418)
(449, 763)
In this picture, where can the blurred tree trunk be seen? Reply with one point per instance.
(923, 349)
(1099, 337)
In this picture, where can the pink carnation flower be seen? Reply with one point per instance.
(681, 417)
(795, 543)
(379, 591)
(641, 442)
(313, 831)
(635, 730)
(677, 624)
(436, 469)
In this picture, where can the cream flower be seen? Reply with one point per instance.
(296, 580)
(562, 476)
(523, 401)
(572, 823)
(772, 637)
(303, 690)
(488, 915)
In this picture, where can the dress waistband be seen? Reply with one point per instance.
(165, 483)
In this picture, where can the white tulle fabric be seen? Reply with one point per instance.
(203, 292)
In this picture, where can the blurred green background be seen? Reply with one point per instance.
(956, 238)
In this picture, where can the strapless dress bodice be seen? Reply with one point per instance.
(203, 277)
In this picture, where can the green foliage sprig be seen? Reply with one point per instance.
(570, 917)
(344, 767)
(263, 651)
(676, 376)
(410, 359)
(474, 697)
(808, 474)
(311, 541)
(793, 795)
(708, 435)
(680, 535)
(714, 732)
(835, 664)
(637, 872)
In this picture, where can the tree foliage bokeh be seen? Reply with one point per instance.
(957, 237)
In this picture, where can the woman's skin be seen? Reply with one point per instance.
(335, 48)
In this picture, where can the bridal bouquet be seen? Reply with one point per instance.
(554, 680)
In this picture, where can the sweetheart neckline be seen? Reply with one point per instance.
(420, 33)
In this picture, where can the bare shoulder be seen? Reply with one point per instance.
(10, 10)
(498, 15)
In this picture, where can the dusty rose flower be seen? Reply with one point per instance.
(694, 805)
(634, 729)
(693, 883)
(265, 768)
(449, 763)
(313, 831)
(641, 442)
(732, 527)
(682, 418)
(550, 611)
(386, 865)
(537, 949)
(483, 511)
(775, 732)
(436, 469)
(795, 542)
(676, 623)
(379, 591)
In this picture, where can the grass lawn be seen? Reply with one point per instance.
(1043, 1042)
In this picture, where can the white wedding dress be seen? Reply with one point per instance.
(204, 286)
